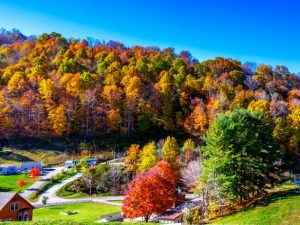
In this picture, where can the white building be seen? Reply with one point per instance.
(6, 169)
(27, 166)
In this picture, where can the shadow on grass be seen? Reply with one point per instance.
(5, 189)
(277, 196)
(14, 156)
(265, 201)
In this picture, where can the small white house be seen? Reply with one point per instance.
(69, 164)
(27, 166)
(6, 169)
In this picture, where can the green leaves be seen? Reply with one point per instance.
(241, 152)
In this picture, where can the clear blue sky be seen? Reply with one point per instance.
(263, 31)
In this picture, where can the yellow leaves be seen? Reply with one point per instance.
(73, 86)
(191, 83)
(197, 122)
(112, 94)
(5, 121)
(133, 88)
(200, 119)
(183, 98)
(170, 151)
(131, 159)
(208, 83)
(165, 83)
(114, 119)
(58, 119)
(47, 91)
(294, 119)
(16, 83)
(148, 158)
(260, 105)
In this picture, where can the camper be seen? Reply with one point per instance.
(6, 169)
(91, 161)
(75, 161)
(27, 166)
(68, 164)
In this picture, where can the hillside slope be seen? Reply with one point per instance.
(282, 208)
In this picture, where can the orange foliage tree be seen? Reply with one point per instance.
(34, 172)
(150, 193)
(21, 182)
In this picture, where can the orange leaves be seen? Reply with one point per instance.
(151, 192)
(132, 156)
(34, 172)
(197, 122)
(21, 182)
(114, 119)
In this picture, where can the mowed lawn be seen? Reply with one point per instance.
(87, 212)
(281, 208)
(8, 183)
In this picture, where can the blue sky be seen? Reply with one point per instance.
(263, 31)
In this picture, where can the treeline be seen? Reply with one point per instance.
(51, 85)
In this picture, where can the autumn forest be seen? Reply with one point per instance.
(53, 86)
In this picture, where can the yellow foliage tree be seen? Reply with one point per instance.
(132, 157)
(114, 119)
(260, 105)
(148, 158)
(171, 151)
(58, 120)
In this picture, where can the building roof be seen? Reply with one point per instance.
(8, 165)
(91, 159)
(31, 162)
(174, 213)
(7, 196)
(170, 215)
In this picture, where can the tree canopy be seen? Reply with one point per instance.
(240, 154)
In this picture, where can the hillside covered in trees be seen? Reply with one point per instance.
(53, 86)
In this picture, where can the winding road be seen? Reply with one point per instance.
(55, 200)
(41, 181)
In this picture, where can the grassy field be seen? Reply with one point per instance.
(11, 155)
(87, 212)
(280, 208)
(8, 183)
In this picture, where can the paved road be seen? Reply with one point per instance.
(51, 192)
(55, 200)
(41, 181)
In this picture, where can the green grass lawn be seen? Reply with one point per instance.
(280, 208)
(88, 212)
(8, 183)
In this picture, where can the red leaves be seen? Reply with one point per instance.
(35, 172)
(151, 192)
(21, 182)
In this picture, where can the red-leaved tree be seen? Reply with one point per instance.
(34, 172)
(21, 182)
(151, 192)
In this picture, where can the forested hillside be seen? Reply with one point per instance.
(53, 86)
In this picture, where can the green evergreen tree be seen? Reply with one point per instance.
(241, 155)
